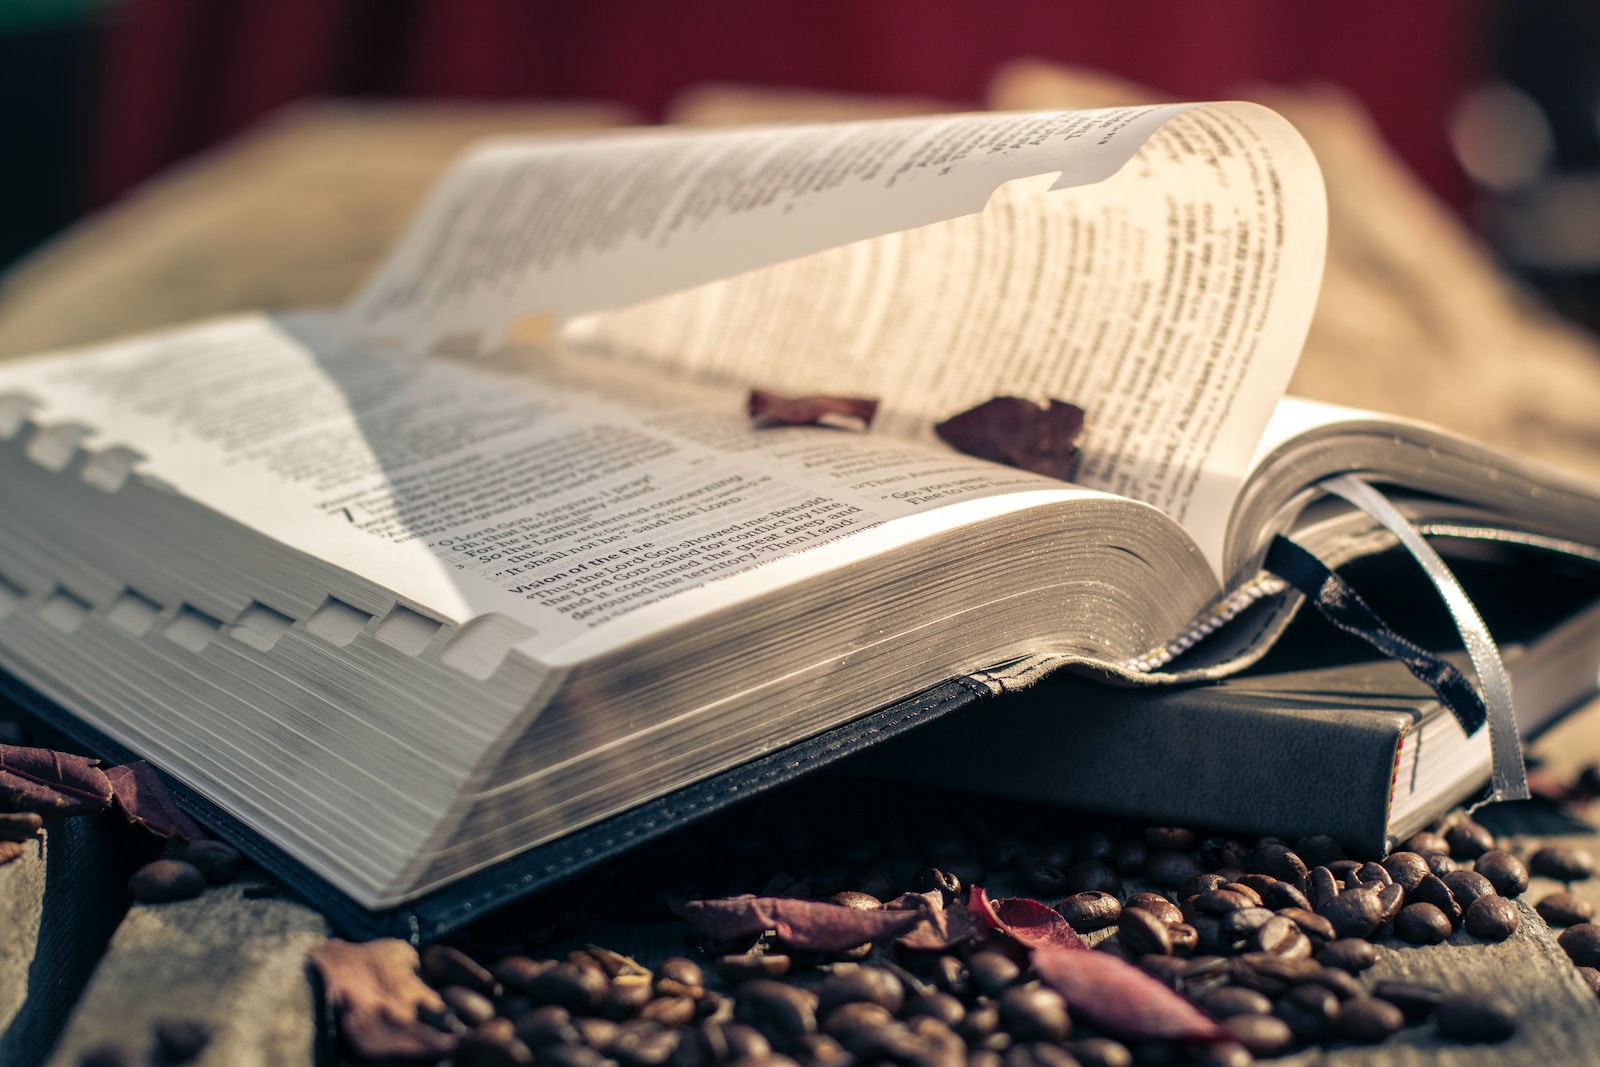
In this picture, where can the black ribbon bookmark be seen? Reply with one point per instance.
(1340, 605)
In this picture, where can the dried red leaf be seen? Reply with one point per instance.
(1018, 433)
(376, 995)
(775, 409)
(804, 924)
(1115, 996)
(145, 799)
(938, 927)
(51, 782)
(1028, 922)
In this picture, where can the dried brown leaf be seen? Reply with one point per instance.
(774, 409)
(1018, 433)
(51, 782)
(1113, 995)
(376, 993)
(145, 799)
(938, 927)
(804, 924)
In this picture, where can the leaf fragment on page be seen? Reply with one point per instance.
(1019, 433)
(841, 412)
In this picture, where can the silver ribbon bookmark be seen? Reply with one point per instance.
(1510, 781)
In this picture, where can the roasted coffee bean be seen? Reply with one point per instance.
(1316, 849)
(1468, 840)
(1424, 842)
(548, 1025)
(1037, 1054)
(780, 1011)
(1373, 872)
(1406, 868)
(1343, 869)
(1433, 890)
(1219, 852)
(817, 1050)
(166, 880)
(935, 879)
(1324, 886)
(1184, 937)
(1263, 1035)
(1391, 898)
(20, 825)
(1562, 864)
(1352, 955)
(626, 994)
(1099, 1052)
(1309, 1010)
(983, 1019)
(1222, 901)
(941, 1047)
(1169, 839)
(1281, 937)
(1581, 943)
(571, 1056)
(1416, 1000)
(1354, 913)
(1245, 921)
(644, 1043)
(1440, 863)
(1314, 926)
(1092, 910)
(444, 965)
(685, 972)
(1200, 883)
(669, 1011)
(1088, 876)
(1281, 862)
(874, 985)
(578, 989)
(1208, 936)
(1505, 872)
(181, 1040)
(1252, 885)
(1491, 918)
(1234, 1000)
(1221, 1054)
(1340, 983)
(1564, 909)
(1157, 905)
(1421, 924)
(1269, 974)
(936, 1005)
(1170, 869)
(516, 972)
(745, 1041)
(1280, 895)
(1476, 1017)
(469, 1005)
(1169, 970)
(494, 1044)
(951, 975)
(1368, 1020)
(992, 971)
(1033, 1012)
(750, 966)
(980, 1057)
(1467, 886)
(1143, 934)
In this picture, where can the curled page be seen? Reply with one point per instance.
(931, 262)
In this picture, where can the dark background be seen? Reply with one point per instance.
(97, 95)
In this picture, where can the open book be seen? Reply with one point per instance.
(493, 554)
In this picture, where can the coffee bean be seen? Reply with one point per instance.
(1391, 898)
(745, 1042)
(1281, 862)
(941, 1046)
(1440, 863)
(1317, 849)
(1421, 924)
(1222, 901)
(1581, 943)
(1406, 868)
(873, 985)
(868, 1031)
(936, 1005)
(1221, 1054)
(1467, 886)
(1157, 905)
(1416, 1000)
(1424, 842)
(469, 1005)
(992, 971)
(1314, 926)
(1251, 886)
(1352, 955)
(951, 975)
(1098, 1052)
(578, 989)
(1468, 840)
(444, 965)
(1234, 1000)
(1323, 887)
(494, 1044)
(166, 880)
(1505, 872)
(1033, 1012)
(685, 972)
(750, 966)
(1169, 839)
(1341, 984)
(181, 1040)
(644, 1043)
(1280, 895)
(669, 1011)
(1491, 918)
(1184, 937)
(1476, 1017)
(548, 1025)
(1245, 921)
(1343, 869)
(1354, 913)
(1200, 883)
(1372, 872)
(516, 972)
(780, 1011)
(1309, 1010)
(1143, 933)
(935, 879)
(20, 825)
(1562, 908)
(1092, 910)
(1368, 1020)
(1263, 1035)
(1269, 974)
(1562, 864)
(1168, 970)
(1170, 869)
(1433, 890)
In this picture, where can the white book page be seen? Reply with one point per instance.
(468, 492)
(922, 261)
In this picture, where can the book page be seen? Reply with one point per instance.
(929, 262)
(550, 501)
